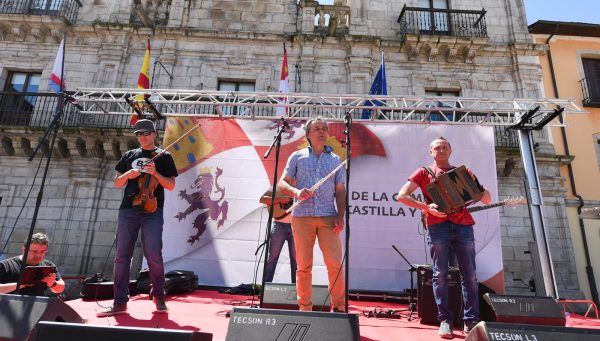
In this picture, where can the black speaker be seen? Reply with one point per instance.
(19, 314)
(491, 331)
(282, 325)
(426, 308)
(52, 331)
(526, 309)
(284, 296)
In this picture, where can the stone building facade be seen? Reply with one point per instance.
(210, 44)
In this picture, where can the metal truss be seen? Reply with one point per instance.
(457, 110)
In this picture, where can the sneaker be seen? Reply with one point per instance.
(161, 306)
(116, 309)
(445, 331)
(469, 325)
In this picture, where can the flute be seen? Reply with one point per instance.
(317, 185)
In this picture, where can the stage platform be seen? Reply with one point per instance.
(207, 311)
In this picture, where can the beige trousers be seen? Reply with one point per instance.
(306, 230)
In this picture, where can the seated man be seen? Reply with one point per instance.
(10, 269)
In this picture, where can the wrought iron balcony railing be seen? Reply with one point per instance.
(448, 22)
(57, 8)
(590, 86)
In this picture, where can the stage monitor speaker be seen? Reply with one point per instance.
(526, 309)
(52, 331)
(284, 296)
(426, 308)
(492, 331)
(282, 325)
(19, 314)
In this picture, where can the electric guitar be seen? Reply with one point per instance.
(506, 202)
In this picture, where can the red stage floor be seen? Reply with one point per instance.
(205, 311)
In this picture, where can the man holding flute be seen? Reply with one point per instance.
(320, 195)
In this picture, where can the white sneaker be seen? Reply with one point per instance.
(445, 331)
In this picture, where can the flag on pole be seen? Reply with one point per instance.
(284, 86)
(56, 82)
(379, 87)
(143, 81)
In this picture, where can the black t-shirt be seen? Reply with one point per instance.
(9, 273)
(134, 159)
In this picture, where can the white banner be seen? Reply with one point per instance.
(214, 222)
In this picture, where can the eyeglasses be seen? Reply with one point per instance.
(143, 133)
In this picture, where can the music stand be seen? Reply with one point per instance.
(412, 306)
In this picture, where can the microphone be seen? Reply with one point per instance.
(74, 101)
(284, 124)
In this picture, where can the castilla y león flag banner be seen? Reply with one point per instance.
(214, 221)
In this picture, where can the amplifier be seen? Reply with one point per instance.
(285, 296)
(426, 308)
(526, 309)
(491, 331)
(283, 325)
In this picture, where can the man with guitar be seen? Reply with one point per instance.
(144, 172)
(446, 232)
(280, 233)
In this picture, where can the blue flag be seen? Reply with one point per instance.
(379, 87)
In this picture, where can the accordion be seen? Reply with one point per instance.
(454, 190)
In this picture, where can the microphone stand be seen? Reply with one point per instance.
(412, 307)
(51, 129)
(157, 61)
(348, 124)
(266, 244)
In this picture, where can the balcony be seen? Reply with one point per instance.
(332, 20)
(442, 34)
(66, 9)
(590, 86)
(442, 22)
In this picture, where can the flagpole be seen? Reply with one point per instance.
(52, 127)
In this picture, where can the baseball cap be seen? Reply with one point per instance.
(144, 125)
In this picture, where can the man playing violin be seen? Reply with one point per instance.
(445, 233)
(144, 172)
(320, 214)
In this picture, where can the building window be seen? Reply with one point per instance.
(18, 101)
(434, 21)
(439, 116)
(23, 82)
(591, 83)
(235, 86)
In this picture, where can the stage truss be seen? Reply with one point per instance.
(447, 110)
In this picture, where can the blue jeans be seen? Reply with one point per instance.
(129, 223)
(442, 239)
(279, 234)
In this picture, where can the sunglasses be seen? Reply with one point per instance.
(144, 133)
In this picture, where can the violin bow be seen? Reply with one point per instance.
(174, 142)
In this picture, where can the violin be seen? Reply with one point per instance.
(145, 199)
(147, 183)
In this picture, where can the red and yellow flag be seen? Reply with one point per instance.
(143, 80)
